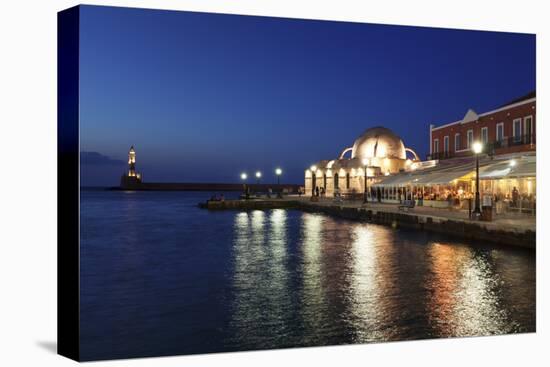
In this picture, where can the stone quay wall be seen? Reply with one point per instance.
(457, 228)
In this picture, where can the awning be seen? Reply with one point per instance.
(433, 177)
(488, 170)
(523, 167)
(494, 173)
(400, 179)
(445, 178)
(528, 169)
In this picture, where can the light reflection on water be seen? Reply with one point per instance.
(466, 298)
(357, 282)
(261, 278)
(160, 276)
(366, 286)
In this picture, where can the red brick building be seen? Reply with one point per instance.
(507, 129)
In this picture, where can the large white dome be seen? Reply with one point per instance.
(378, 142)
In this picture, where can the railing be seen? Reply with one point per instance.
(514, 141)
(489, 148)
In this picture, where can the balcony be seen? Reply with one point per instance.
(490, 148)
(513, 141)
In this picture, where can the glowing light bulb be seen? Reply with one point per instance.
(478, 147)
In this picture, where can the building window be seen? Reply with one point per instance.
(470, 140)
(485, 135)
(528, 129)
(446, 144)
(517, 130)
(500, 131)
(457, 142)
(347, 180)
(336, 180)
(325, 181)
(436, 146)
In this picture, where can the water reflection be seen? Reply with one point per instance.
(366, 285)
(313, 306)
(328, 281)
(262, 303)
(466, 297)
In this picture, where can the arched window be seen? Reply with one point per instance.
(336, 180)
(325, 180)
(347, 180)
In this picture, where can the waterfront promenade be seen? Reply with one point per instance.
(510, 229)
(514, 222)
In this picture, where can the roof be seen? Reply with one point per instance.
(527, 98)
(378, 142)
(531, 94)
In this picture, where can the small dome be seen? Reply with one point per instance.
(378, 142)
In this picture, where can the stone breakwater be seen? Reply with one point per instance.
(466, 229)
(204, 186)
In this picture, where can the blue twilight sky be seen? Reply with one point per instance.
(203, 97)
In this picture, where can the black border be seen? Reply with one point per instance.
(68, 192)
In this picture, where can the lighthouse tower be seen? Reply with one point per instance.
(131, 178)
(132, 162)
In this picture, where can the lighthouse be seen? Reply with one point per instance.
(132, 162)
(131, 178)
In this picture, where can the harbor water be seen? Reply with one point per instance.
(159, 276)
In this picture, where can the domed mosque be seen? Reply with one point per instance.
(378, 151)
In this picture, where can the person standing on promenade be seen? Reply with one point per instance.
(515, 197)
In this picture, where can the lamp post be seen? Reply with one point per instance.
(244, 177)
(313, 179)
(258, 176)
(365, 164)
(278, 172)
(478, 147)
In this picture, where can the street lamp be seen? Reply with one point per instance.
(258, 176)
(365, 164)
(278, 172)
(313, 179)
(244, 177)
(477, 147)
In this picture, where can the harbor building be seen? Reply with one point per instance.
(510, 128)
(507, 162)
(376, 153)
